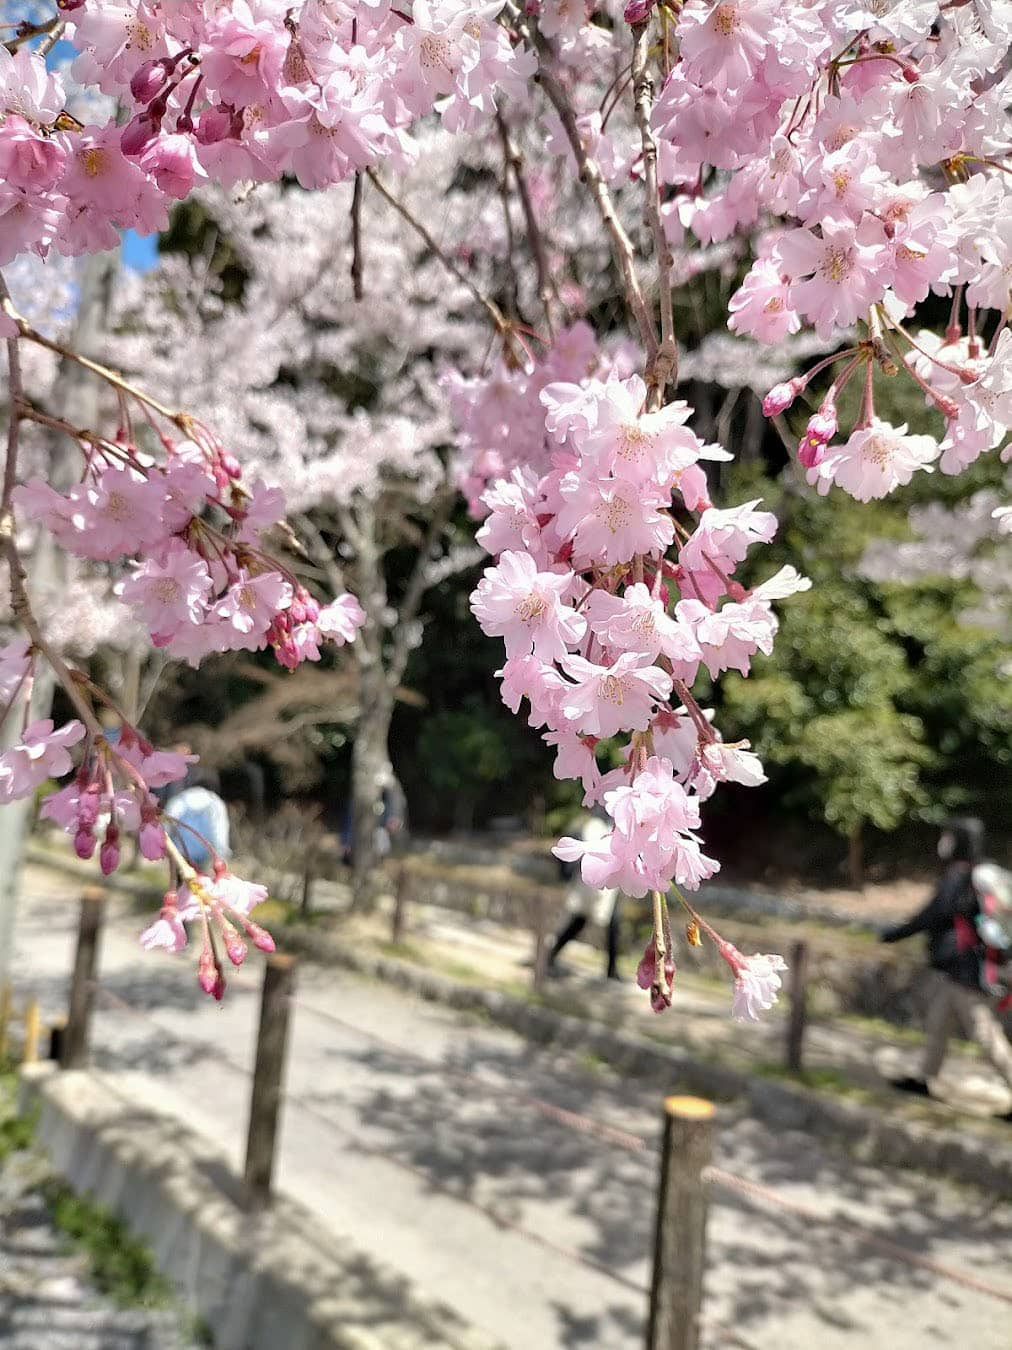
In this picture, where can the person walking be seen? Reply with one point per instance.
(587, 903)
(956, 956)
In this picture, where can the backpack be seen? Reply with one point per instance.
(993, 888)
(198, 813)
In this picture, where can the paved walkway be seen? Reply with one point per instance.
(864, 1052)
(449, 1149)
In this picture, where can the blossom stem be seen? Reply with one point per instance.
(493, 311)
(695, 712)
(591, 175)
(547, 290)
(643, 97)
(15, 412)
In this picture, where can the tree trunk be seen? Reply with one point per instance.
(855, 856)
(76, 399)
(370, 770)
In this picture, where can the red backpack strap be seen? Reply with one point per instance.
(966, 935)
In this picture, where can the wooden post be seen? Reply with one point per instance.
(397, 922)
(676, 1290)
(56, 1034)
(33, 1032)
(540, 945)
(797, 997)
(74, 1050)
(5, 1018)
(268, 1074)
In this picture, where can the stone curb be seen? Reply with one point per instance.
(263, 1279)
(871, 1135)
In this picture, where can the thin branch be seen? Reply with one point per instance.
(15, 395)
(110, 376)
(27, 31)
(490, 307)
(51, 39)
(547, 290)
(21, 605)
(357, 288)
(590, 173)
(662, 371)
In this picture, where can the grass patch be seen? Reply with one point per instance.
(15, 1131)
(119, 1265)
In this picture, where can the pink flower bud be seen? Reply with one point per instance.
(822, 424)
(231, 465)
(214, 125)
(236, 949)
(259, 936)
(781, 396)
(138, 134)
(647, 967)
(84, 842)
(638, 11)
(811, 451)
(948, 407)
(736, 591)
(660, 1000)
(208, 974)
(147, 81)
(108, 857)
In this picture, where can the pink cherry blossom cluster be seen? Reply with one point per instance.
(604, 632)
(251, 92)
(200, 579)
(221, 904)
(111, 794)
(871, 143)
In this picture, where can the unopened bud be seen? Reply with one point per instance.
(84, 842)
(647, 967)
(214, 125)
(108, 857)
(781, 396)
(138, 134)
(231, 465)
(259, 936)
(638, 11)
(147, 81)
(737, 591)
(811, 451)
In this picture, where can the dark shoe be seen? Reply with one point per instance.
(917, 1086)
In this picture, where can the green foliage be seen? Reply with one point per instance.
(880, 702)
(463, 751)
(119, 1265)
(15, 1131)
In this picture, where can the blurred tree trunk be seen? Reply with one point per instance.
(855, 856)
(78, 394)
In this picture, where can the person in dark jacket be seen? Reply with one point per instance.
(955, 954)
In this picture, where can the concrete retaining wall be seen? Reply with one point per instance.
(269, 1280)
